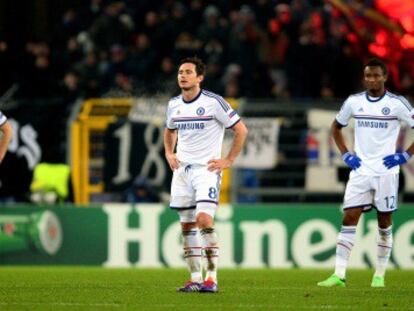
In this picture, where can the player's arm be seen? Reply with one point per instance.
(336, 129)
(352, 160)
(399, 158)
(341, 120)
(240, 134)
(410, 149)
(170, 139)
(7, 132)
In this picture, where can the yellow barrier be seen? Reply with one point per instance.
(90, 125)
(87, 168)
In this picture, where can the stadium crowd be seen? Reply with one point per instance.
(295, 49)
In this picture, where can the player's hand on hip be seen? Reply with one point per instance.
(396, 159)
(172, 161)
(352, 160)
(218, 164)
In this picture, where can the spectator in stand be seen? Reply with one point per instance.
(37, 77)
(71, 89)
(308, 58)
(68, 27)
(214, 52)
(111, 27)
(6, 79)
(143, 60)
(212, 80)
(186, 45)
(213, 28)
(156, 32)
(166, 82)
(178, 21)
(118, 63)
(244, 42)
(123, 86)
(196, 11)
(89, 74)
(73, 52)
(231, 81)
(89, 14)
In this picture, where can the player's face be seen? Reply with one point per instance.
(374, 78)
(187, 77)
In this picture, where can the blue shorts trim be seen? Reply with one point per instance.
(182, 208)
(371, 206)
(358, 206)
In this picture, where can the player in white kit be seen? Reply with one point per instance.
(196, 121)
(6, 131)
(373, 181)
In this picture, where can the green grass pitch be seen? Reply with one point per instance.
(83, 288)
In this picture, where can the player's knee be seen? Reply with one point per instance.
(204, 220)
(384, 220)
(205, 212)
(351, 217)
(384, 224)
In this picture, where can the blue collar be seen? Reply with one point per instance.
(374, 100)
(192, 100)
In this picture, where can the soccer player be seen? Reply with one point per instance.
(196, 121)
(6, 131)
(375, 164)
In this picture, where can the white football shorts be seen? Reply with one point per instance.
(367, 192)
(193, 184)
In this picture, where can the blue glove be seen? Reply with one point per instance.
(352, 160)
(396, 159)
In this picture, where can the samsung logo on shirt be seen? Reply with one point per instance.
(373, 124)
(190, 126)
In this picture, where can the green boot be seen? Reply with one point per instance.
(332, 281)
(377, 281)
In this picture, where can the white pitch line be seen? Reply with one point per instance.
(169, 306)
(70, 304)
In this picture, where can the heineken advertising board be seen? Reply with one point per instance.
(148, 235)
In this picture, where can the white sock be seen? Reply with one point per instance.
(344, 244)
(384, 247)
(211, 252)
(192, 254)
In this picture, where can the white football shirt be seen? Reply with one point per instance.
(200, 124)
(3, 118)
(377, 126)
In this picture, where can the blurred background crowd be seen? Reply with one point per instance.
(304, 52)
(298, 49)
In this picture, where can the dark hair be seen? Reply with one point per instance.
(375, 62)
(200, 66)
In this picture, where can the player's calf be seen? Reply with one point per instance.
(193, 254)
(211, 252)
